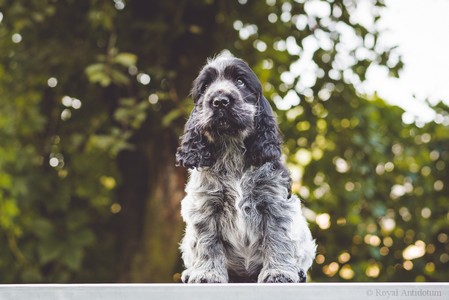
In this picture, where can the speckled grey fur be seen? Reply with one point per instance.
(242, 223)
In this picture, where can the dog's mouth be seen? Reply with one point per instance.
(222, 121)
(223, 127)
(226, 122)
(223, 124)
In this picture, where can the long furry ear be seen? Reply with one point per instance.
(264, 144)
(194, 150)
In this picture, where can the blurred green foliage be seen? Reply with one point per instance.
(93, 95)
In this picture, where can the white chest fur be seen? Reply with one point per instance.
(232, 193)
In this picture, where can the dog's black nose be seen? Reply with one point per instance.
(220, 101)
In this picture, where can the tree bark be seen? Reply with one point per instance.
(151, 222)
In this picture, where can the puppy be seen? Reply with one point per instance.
(242, 222)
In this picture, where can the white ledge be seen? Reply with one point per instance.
(344, 291)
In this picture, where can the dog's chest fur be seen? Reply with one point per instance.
(229, 188)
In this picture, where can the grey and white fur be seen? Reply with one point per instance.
(242, 222)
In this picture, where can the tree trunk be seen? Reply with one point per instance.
(151, 222)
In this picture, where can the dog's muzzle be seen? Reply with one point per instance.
(221, 102)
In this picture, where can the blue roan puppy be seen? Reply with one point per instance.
(243, 223)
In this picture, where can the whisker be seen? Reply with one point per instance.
(250, 95)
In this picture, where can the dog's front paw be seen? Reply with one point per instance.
(185, 276)
(302, 276)
(279, 276)
(203, 276)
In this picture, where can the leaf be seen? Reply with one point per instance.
(94, 69)
(102, 141)
(126, 59)
(82, 238)
(105, 81)
(42, 228)
(49, 250)
(122, 115)
(5, 181)
(119, 77)
(96, 73)
(77, 219)
(72, 257)
(127, 101)
(170, 117)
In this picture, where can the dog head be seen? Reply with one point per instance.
(228, 104)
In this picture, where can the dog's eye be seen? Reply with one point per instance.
(239, 82)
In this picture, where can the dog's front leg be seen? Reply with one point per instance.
(280, 263)
(204, 248)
